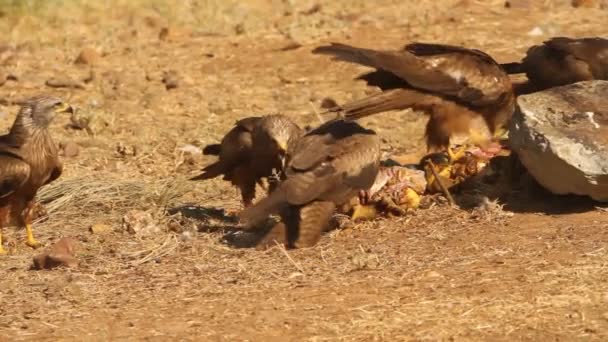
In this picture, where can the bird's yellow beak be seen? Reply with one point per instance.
(64, 108)
(283, 147)
(282, 153)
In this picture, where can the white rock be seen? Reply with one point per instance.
(561, 137)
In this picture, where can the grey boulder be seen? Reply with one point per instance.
(561, 137)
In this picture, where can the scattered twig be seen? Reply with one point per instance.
(445, 190)
(293, 262)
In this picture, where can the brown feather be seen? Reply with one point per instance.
(448, 82)
(29, 158)
(249, 152)
(561, 60)
(329, 165)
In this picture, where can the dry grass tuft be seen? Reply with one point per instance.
(80, 196)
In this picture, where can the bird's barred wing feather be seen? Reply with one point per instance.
(468, 75)
(329, 163)
(14, 173)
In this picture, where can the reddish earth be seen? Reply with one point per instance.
(536, 270)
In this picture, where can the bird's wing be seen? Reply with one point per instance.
(248, 123)
(392, 99)
(480, 77)
(57, 171)
(594, 51)
(328, 163)
(14, 173)
(468, 75)
(348, 155)
(234, 149)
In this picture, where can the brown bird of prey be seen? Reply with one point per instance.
(253, 149)
(452, 84)
(326, 167)
(561, 60)
(28, 160)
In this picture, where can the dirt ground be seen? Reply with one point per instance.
(537, 270)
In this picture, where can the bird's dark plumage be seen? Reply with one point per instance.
(250, 151)
(453, 84)
(561, 60)
(29, 159)
(326, 167)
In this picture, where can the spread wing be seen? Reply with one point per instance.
(468, 75)
(14, 173)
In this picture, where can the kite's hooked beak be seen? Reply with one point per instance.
(283, 159)
(282, 153)
(64, 108)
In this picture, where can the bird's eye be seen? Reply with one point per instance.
(58, 105)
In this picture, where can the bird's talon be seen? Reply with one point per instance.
(363, 212)
(33, 244)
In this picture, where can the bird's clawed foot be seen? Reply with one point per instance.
(31, 242)
(456, 154)
(363, 212)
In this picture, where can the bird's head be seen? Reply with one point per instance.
(276, 133)
(40, 111)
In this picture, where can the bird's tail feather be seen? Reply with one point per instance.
(347, 53)
(213, 149)
(513, 68)
(395, 99)
(261, 210)
(210, 171)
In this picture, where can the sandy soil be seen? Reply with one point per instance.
(536, 270)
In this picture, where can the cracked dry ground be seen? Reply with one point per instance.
(440, 274)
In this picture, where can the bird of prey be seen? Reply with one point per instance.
(326, 168)
(253, 149)
(29, 159)
(560, 61)
(452, 84)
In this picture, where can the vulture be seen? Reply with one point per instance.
(254, 149)
(325, 168)
(28, 160)
(450, 83)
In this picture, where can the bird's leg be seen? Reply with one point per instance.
(2, 250)
(27, 220)
(454, 155)
(3, 221)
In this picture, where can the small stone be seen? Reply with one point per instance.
(61, 253)
(328, 103)
(70, 149)
(518, 4)
(170, 79)
(99, 229)
(589, 3)
(190, 149)
(164, 33)
(64, 82)
(185, 236)
(139, 222)
(88, 56)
